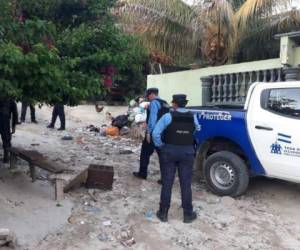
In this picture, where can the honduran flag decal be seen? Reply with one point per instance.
(284, 138)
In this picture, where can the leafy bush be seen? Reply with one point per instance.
(55, 51)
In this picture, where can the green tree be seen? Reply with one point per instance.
(54, 51)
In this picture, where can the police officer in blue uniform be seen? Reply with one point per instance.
(173, 134)
(157, 108)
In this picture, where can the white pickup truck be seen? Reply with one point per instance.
(263, 138)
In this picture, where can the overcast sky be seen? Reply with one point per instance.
(296, 3)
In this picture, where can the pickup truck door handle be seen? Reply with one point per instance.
(263, 128)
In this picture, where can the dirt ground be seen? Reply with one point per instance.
(266, 217)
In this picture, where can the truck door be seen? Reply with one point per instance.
(274, 126)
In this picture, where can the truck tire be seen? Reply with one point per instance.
(226, 174)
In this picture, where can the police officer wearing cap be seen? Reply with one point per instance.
(173, 134)
(156, 110)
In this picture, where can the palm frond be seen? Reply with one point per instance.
(180, 30)
(220, 14)
(171, 26)
(265, 29)
(253, 10)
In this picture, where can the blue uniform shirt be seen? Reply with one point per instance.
(154, 108)
(164, 122)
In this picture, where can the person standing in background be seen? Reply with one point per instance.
(58, 111)
(25, 105)
(156, 109)
(8, 111)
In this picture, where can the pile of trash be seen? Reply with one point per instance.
(132, 123)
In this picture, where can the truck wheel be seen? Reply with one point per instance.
(226, 174)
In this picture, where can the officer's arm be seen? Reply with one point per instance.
(14, 112)
(154, 107)
(196, 122)
(161, 125)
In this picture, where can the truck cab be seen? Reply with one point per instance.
(261, 138)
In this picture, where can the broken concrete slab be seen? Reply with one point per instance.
(7, 238)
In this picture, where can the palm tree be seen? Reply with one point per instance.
(259, 21)
(160, 23)
(214, 29)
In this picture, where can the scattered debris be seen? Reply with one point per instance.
(91, 193)
(126, 237)
(125, 131)
(149, 215)
(67, 138)
(120, 121)
(90, 208)
(112, 131)
(92, 128)
(80, 140)
(72, 220)
(7, 238)
(125, 151)
(103, 237)
(106, 223)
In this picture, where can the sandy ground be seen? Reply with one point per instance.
(266, 217)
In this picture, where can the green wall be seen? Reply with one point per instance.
(188, 82)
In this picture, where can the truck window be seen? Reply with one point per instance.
(284, 101)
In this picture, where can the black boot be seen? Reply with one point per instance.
(5, 156)
(162, 214)
(189, 217)
(138, 175)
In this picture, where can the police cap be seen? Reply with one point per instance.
(180, 100)
(151, 91)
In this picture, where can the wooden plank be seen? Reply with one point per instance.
(59, 190)
(79, 179)
(13, 160)
(32, 172)
(14, 151)
(50, 166)
(37, 159)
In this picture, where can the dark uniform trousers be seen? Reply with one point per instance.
(8, 110)
(146, 151)
(58, 110)
(181, 158)
(5, 131)
(24, 110)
